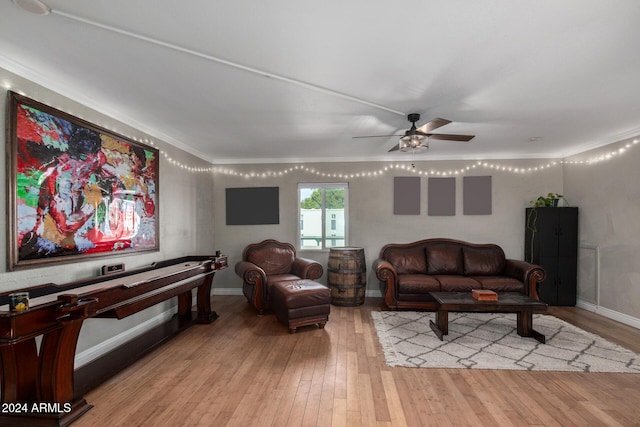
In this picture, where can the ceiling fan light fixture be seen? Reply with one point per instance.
(417, 139)
(413, 143)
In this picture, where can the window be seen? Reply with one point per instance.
(324, 209)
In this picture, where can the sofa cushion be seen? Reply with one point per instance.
(417, 284)
(407, 260)
(444, 258)
(272, 259)
(456, 283)
(485, 261)
(500, 283)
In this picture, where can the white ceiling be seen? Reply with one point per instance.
(279, 81)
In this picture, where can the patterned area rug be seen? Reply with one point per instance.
(490, 341)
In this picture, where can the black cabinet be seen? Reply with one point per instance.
(551, 240)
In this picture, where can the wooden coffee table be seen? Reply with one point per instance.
(508, 302)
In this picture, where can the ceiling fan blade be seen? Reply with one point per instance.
(395, 148)
(451, 137)
(433, 124)
(375, 136)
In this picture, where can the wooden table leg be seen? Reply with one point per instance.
(441, 325)
(20, 368)
(57, 359)
(525, 327)
(205, 313)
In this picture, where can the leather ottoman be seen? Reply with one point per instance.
(300, 303)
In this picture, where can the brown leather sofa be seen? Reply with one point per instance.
(409, 271)
(269, 262)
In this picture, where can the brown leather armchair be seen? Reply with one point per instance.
(268, 262)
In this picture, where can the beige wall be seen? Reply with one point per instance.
(372, 223)
(608, 196)
(185, 200)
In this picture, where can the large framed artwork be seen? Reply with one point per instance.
(75, 190)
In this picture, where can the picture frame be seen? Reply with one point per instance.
(76, 190)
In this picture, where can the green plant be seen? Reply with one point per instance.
(550, 200)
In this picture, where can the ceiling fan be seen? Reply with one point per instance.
(417, 139)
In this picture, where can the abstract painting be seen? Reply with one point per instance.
(76, 190)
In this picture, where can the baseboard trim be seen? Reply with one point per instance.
(119, 358)
(373, 294)
(369, 293)
(99, 350)
(610, 314)
(112, 343)
(237, 291)
(226, 291)
(106, 346)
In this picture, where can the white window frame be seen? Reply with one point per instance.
(324, 186)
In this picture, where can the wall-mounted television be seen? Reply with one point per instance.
(253, 205)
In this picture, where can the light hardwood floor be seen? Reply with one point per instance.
(247, 370)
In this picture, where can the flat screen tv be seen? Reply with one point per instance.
(253, 205)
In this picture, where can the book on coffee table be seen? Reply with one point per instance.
(484, 295)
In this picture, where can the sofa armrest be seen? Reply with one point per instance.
(530, 274)
(251, 274)
(383, 269)
(307, 268)
(387, 275)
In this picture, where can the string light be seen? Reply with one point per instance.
(385, 169)
(391, 167)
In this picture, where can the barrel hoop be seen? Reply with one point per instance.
(334, 270)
